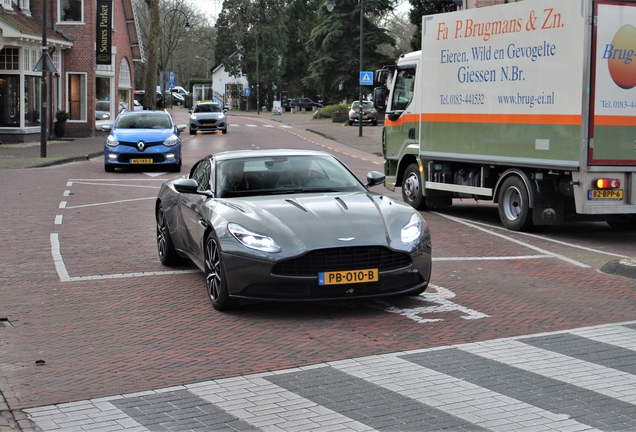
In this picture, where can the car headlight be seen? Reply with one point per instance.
(111, 141)
(412, 231)
(253, 240)
(193, 116)
(221, 116)
(171, 141)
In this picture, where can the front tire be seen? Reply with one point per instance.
(109, 168)
(224, 131)
(165, 248)
(514, 205)
(412, 189)
(215, 281)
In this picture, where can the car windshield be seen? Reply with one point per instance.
(283, 175)
(203, 108)
(143, 121)
(365, 104)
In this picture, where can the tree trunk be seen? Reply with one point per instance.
(152, 59)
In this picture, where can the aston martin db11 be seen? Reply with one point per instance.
(290, 225)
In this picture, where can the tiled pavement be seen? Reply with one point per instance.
(578, 380)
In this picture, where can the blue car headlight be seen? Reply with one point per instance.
(253, 240)
(172, 140)
(111, 141)
(412, 231)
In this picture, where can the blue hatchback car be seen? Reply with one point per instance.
(143, 138)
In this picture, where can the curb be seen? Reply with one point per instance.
(63, 161)
(625, 267)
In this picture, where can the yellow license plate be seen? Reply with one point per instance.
(605, 194)
(348, 277)
(141, 161)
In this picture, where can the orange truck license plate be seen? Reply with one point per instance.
(605, 194)
(348, 277)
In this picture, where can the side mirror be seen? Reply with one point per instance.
(186, 186)
(190, 111)
(379, 98)
(393, 115)
(381, 76)
(181, 127)
(374, 178)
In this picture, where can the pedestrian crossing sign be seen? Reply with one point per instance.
(366, 78)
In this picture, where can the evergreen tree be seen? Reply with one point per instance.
(334, 46)
(420, 8)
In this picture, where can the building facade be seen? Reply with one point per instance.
(78, 84)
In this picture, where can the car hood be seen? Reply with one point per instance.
(146, 135)
(299, 222)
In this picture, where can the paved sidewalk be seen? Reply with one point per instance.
(65, 150)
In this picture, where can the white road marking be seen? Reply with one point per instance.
(112, 202)
(67, 193)
(443, 305)
(555, 241)
(57, 258)
(62, 204)
(58, 220)
(524, 257)
(117, 185)
(519, 242)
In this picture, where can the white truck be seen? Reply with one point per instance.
(529, 104)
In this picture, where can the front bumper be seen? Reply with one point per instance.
(261, 284)
(208, 125)
(129, 156)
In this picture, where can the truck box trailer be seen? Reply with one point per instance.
(530, 104)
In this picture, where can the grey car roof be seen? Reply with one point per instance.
(238, 154)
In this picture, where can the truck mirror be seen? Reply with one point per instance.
(381, 76)
(379, 98)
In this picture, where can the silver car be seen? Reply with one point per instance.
(290, 225)
(207, 116)
(369, 113)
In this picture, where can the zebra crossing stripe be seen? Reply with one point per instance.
(583, 379)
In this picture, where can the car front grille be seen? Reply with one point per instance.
(134, 144)
(341, 259)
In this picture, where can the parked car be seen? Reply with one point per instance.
(285, 225)
(102, 110)
(208, 116)
(300, 103)
(143, 138)
(369, 113)
(139, 97)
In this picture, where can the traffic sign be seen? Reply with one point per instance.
(246, 91)
(366, 78)
(171, 84)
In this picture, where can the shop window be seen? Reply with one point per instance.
(9, 100)
(71, 11)
(102, 96)
(76, 102)
(32, 103)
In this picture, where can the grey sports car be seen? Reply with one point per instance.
(290, 225)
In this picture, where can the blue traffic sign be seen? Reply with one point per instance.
(246, 91)
(171, 84)
(366, 78)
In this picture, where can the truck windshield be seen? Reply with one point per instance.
(403, 89)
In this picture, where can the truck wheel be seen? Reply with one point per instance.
(514, 205)
(411, 188)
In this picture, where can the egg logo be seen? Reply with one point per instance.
(621, 57)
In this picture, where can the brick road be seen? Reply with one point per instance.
(113, 332)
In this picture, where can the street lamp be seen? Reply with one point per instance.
(187, 29)
(207, 73)
(330, 5)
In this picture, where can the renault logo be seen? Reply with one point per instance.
(141, 146)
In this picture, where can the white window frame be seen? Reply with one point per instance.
(60, 14)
